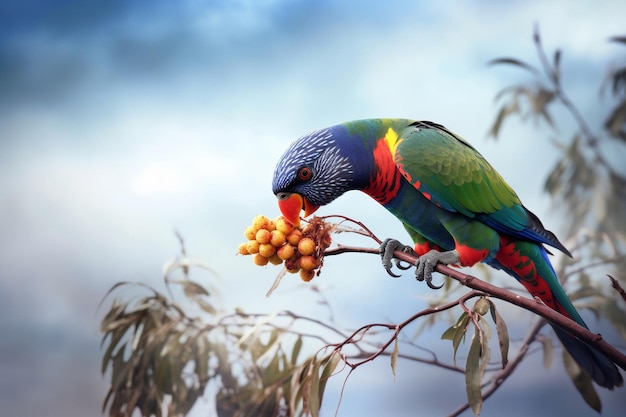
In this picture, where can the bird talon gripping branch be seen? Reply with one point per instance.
(427, 263)
(386, 253)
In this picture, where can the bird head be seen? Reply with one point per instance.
(311, 173)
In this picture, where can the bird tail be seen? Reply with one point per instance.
(528, 262)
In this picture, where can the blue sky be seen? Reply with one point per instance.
(123, 121)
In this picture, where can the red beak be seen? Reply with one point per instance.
(291, 205)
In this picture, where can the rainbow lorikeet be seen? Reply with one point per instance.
(455, 206)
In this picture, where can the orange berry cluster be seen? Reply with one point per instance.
(277, 241)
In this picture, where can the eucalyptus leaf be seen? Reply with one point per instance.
(473, 375)
(394, 358)
(502, 332)
(514, 62)
(456, 333)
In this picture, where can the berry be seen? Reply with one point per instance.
(283, 225)
(286, 251)
(260, 222)
(266, 249)
(294, 237)
(275, 260)
(263, 236)
(308, 263)
(277, 238)
(243, 249)
(260, 260)
(252, 246)
(306, 276)
(306, 246)
(250, 233)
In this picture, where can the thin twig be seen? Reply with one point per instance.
(618, 287)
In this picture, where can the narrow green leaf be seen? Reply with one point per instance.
(616, 120)
(163, 376)
(274, 341)
(583, 382)
(485, 350)
(202, 352)
(472, 375)
(619, 81)
(460, 334)
(296, 385)
(256, 328)
(119, 369)
(497, 124)
(113, 288)
(224, 368)
(394, 358)
(502, 332)
(449, 333)
(115, 312)
(297, 347)
(539, 101)
(554, 181)
(314, 393)
(110, 395)
(206, 306)
(116, 336)
(271, 373)
(456, 333)
(556, 66)
(514, 62)
(327, 371)
(191, 288)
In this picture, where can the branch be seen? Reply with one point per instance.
(593, 339)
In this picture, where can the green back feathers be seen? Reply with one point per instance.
(451, 171)
(455, 176)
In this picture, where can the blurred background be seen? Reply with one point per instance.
(124, 122)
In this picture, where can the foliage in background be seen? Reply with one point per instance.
(161, 356)
(587, 183)
(584, 183)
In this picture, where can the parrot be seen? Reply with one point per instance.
(455, 206)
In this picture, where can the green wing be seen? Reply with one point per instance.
(453, 175)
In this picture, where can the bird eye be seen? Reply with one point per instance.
(305, 173)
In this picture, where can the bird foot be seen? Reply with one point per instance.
(386, 254)
(426, 265)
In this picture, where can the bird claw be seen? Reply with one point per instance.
(426, 265)
(386, 253)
